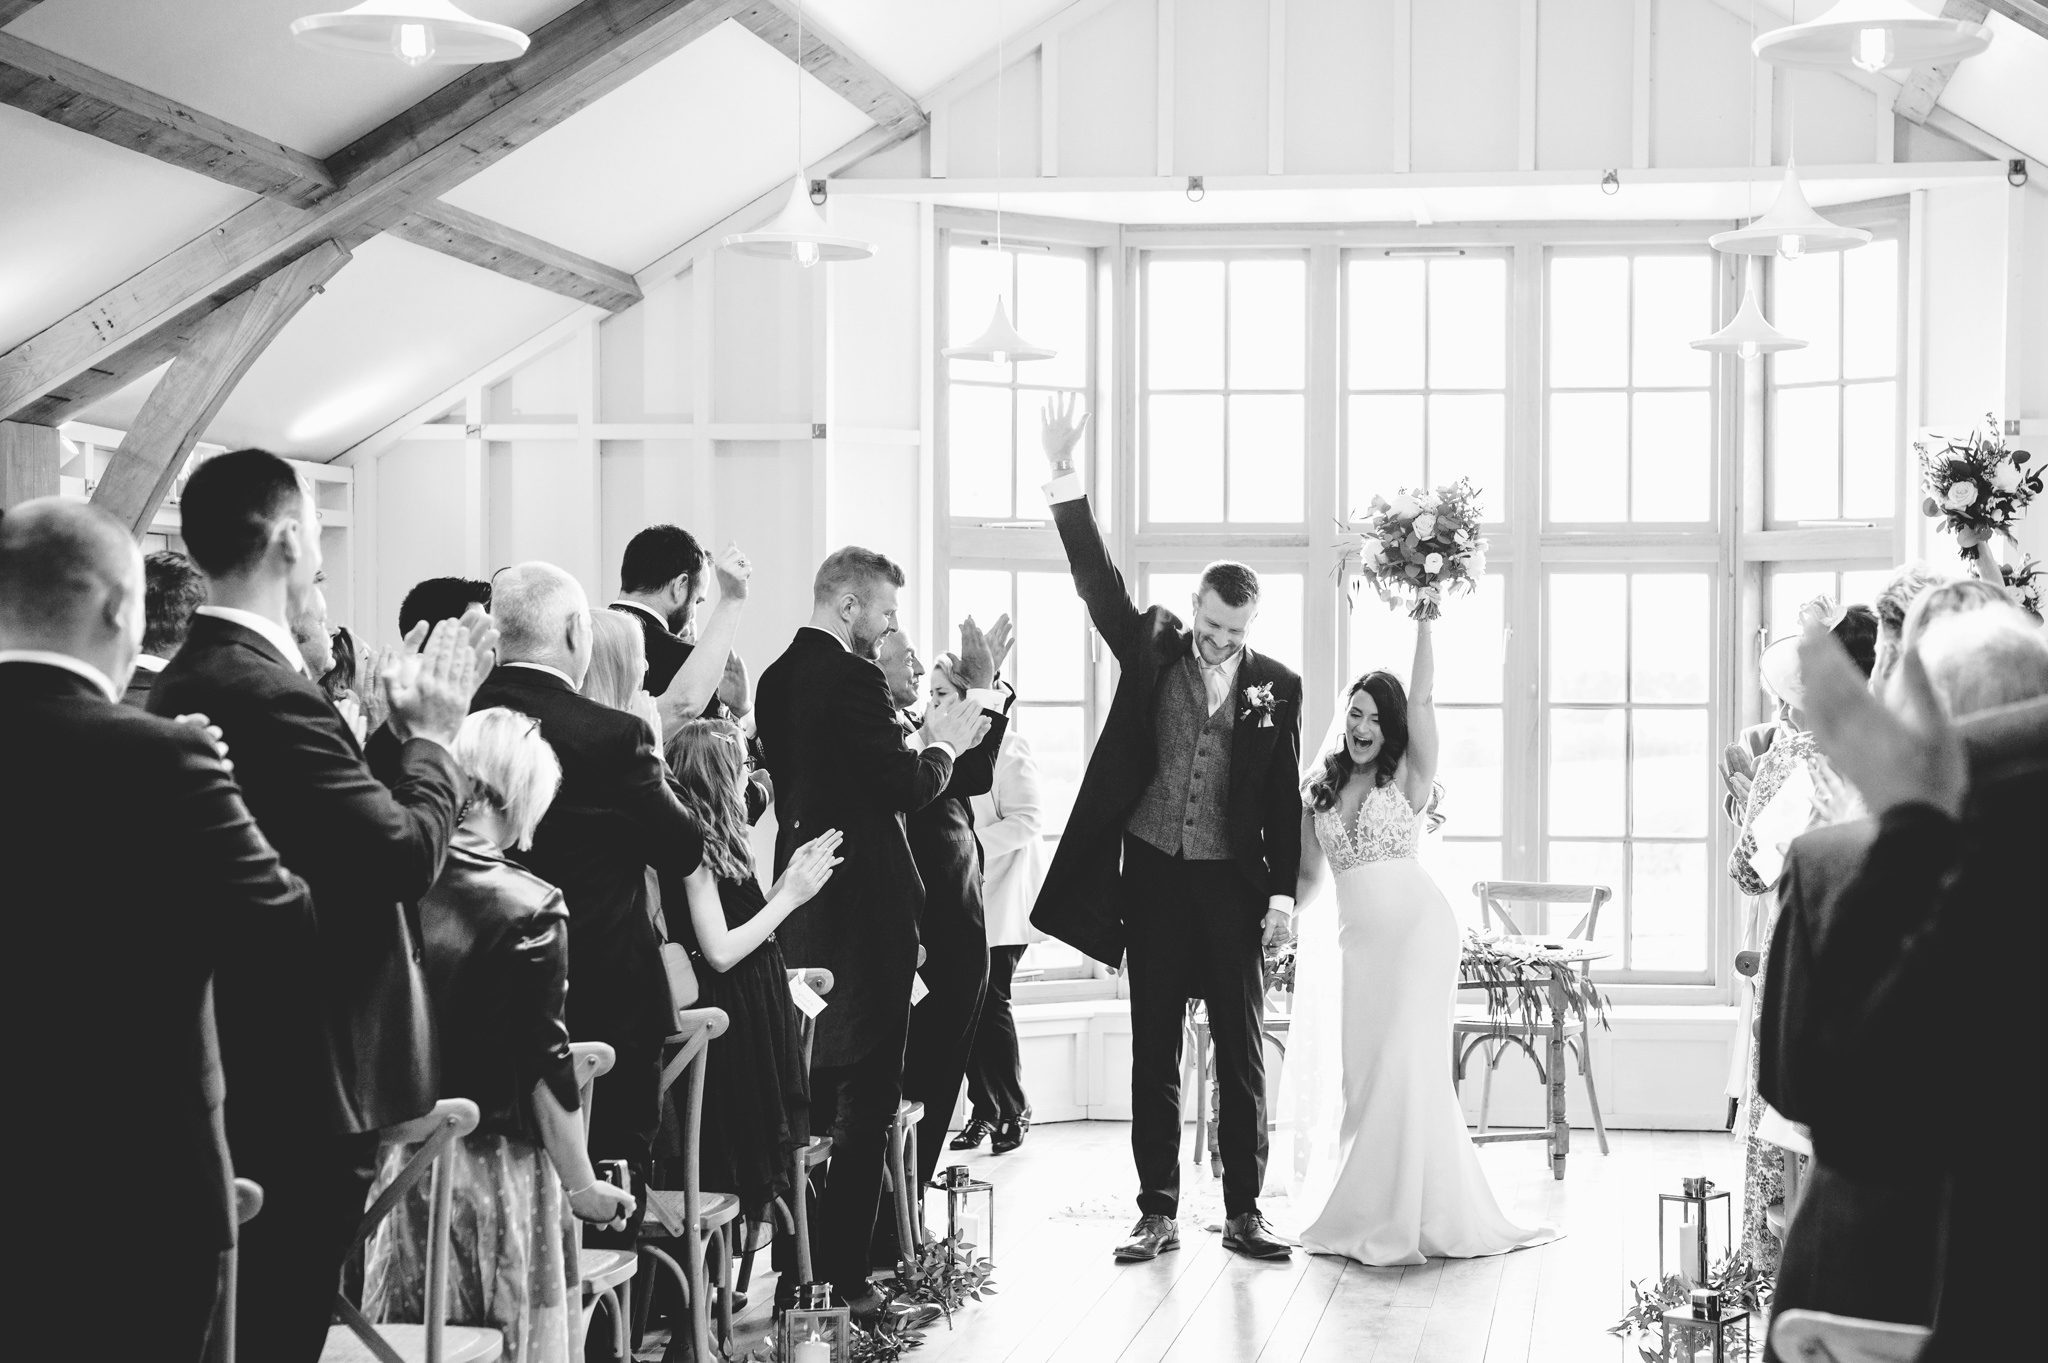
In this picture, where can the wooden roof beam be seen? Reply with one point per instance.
(48, 85)
(441, 226)
(835, 65)
(10, 10)
(1923, 85)
(2031, 15)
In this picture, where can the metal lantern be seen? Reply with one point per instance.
(970, 1208)
(1703, 1333)
(814, 1330)
(1695, 1247)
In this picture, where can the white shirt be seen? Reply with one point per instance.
(274, 634)
(1217, 678)
(551, 671)
(76, 666)
(149, 662)
(647, 611)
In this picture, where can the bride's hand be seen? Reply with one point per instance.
(1278, 927)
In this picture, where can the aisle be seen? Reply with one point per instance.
(1060, 1208)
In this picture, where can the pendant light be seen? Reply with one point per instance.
(1791, 229)
(1872, 35)
(999, 342)
(417, 32)
(798, 233)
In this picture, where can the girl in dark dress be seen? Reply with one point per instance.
(756, 1089)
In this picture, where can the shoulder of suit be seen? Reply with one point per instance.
(1830, 841)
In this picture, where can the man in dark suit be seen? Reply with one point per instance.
(174, 588)
(691, 670)
(126, 1072)
(326, 1048)
(428, 603)
(612, 819)
(836, 749)
(1181, 851)
(951, 930)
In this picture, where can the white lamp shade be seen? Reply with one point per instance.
(1790, 229)
(797, 233)
(1747, 333)
(999, 342)
(1873, 35)
(417, 32)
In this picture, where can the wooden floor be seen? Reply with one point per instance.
(1063, 1202)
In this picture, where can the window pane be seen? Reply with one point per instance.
(978, 450)
(1588, 450)
(1670, 456)
(1268, 323)
(1469, 767)
(1457, 865)
(1468, 437)
(1051, 660)
(1870, 311)
(1805, 453)
(1384, 328)
(1668, 907)
(1587, 644)
(1184, 323)
(1806, 296)
(976, 277)
(1184, 458)
(1468, 323)
(1790, 591)
(1470, 644)
(1052, 309)
(1670, 757)
(1588, 772)
(1596, 863)
(1674, 299)
(1059, 742)
(979, 592)
(1588, 321)
(1267, 449)
(1863, 585)
(1384, 436)
(1668, 650)
(1870, 449)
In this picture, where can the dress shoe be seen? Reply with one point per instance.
(1252, 1236)
(1151, 1237)
(971, 1135)
(867, 1307)
(1009, 1134)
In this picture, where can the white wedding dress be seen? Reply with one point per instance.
(1384, 1170)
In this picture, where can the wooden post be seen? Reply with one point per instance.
(29, 456)
(199, 381)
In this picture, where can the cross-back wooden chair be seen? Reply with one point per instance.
(697, 1218)
(356, 1339)
(1495, 1034)
(900, 1174)
(792, 1214)
(220, 1340)
(606, 1273)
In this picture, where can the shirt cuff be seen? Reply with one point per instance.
(990, 698)
(1065, 488)
(944, 747)
(1280, 901)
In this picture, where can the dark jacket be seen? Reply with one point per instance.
(343, 1043)
(943, 844)
(497, 961)
(1081, 901)
(1818, 867)
(613, 818)
(140, 682)
(133, 868)
(831, 739)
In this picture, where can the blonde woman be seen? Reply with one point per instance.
(496, 955)
(618, 664)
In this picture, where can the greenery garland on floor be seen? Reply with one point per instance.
(946, 1273)
(1742, 1285)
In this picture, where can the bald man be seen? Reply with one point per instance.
(613, 818)
(112, 1000)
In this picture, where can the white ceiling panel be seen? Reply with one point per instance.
(666, 155)
(237, 60)
(78, 216)
(920, 44)
(2004, 89)
(397, 325)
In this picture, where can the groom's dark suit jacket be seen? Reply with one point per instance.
(1081, 901)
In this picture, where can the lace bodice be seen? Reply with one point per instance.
(1386, 828)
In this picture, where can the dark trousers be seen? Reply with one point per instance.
(995, 1071)
(1194, 933)
(942, 1032)
(855, 1104)
(1857, 1247)
(289, 1268)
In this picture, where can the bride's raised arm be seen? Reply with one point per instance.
(1422, 737)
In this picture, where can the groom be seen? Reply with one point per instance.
(1181, 853)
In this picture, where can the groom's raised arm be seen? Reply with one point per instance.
(1096, 579)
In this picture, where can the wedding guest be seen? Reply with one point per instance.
(323, 1048)
(496, 943)
(613, 819)
(343, 683)
(1945, 887)
(1858, 628)
(149, 927)
(690, 669)
(174, 588)
(756, 1090)
(1959, 597)
(839, 760)
(440, 598)
(618, 660)
(1007, 820)
(312, 637)
(1893, 600)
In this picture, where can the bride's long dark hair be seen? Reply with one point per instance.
(1338, 768)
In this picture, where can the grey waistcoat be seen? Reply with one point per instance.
(1185, 808)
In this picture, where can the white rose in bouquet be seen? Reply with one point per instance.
(1475, 563)
(1425, 526)
(1405, 507)
(2007, 477)
(1962, 495)
(1433, 564)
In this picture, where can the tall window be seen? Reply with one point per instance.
(1835, 428)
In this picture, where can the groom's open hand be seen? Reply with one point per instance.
(1060, 429)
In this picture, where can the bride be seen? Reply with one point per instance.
(1384, 1172)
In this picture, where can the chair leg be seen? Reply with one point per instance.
(800, 1213)
(1201, 1093)
(622, 1322)
(722, 1244)
(894, 1174)
(1486, 1089)
(1592, 1094)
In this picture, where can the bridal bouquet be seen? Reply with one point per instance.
(1975, 486)
(1423, 547)
(2025, 583)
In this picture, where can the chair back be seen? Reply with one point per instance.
(437, 1132)
(820, 981)
(590, 1060)
(1495, 897)
(696, 1029)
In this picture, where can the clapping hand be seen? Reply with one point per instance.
(980, 659)
(429, 692)
(213, 736)
(1059, 429)
(733, 571)
(957, 723)
(810, 867)
(370, 690)
(1901, 752)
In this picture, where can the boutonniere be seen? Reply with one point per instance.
(1259, 704)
